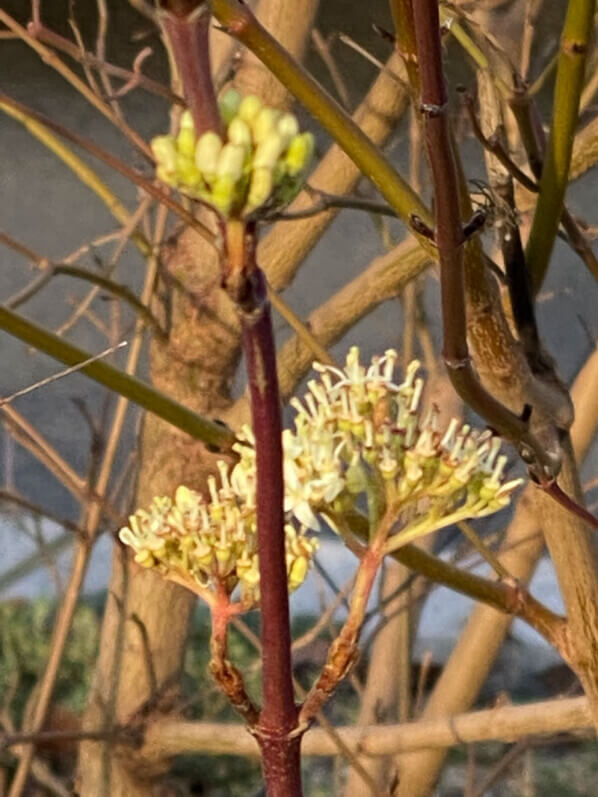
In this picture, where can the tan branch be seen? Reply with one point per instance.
(170, 737)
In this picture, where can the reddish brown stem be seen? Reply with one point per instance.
(226, 675)
(343, 651)
(276, 730)
(188, 34)
(450, 240)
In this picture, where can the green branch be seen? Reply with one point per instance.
(555, 174)
(128, 386)
(243, 26)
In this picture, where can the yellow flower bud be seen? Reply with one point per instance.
(298, 572)
(260, 189)
(239, 133)
(164, 150)
(187, 171)
(287, 127)
(268, 151)
(249, 108)
(230, 161)
(229, 104)
(222, 196)
(265, 122)
(207, 152)
(186, 122)
(185, 142)
(299, 153)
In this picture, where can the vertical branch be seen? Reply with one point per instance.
(402, 18)
(276, 728)
(188, 34)
(449, 232)
(555, 173)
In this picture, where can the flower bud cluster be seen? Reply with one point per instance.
(261, 160)
(359, 434)
(210, 544)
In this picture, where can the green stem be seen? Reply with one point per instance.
(402, 18)
(555, 173)
(241, 23)
(128, 386)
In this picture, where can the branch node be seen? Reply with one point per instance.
(433, 111)
(419, 226)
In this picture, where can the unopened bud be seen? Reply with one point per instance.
(229, 104)
(260, 188)
(268, 151)
(298, 572)
(186, 170)
(249, 108)
(164, 151)
(207, 152)
(299, 153)
(230, 161)
(222, 196)
(239, 133)
(287, 127)
(265, 122)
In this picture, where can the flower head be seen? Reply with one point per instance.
(210, 544)
(261, 160)
(358, 435)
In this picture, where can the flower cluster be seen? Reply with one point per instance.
(261, 161)
(210, 544)
(358, 435)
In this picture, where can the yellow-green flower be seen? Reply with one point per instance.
(259, 164)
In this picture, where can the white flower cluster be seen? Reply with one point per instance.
(357, 435)
(262, 159)
(212, 543)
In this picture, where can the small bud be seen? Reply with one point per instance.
(185, 143)
(239, 133)
(207, 152)
(186, 122)
(268, 151)
(265, 122)
(249, 108)
(230, 161)
(229, 104)
(187, 171)
(164, 150)
(298, 572)
(260, 189)
(222, 197)
(287, 127)
(299, 153)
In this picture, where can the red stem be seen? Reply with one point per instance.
(188, 34)
(276, 730)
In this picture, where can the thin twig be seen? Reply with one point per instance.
(52, 60)
(49, 379)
